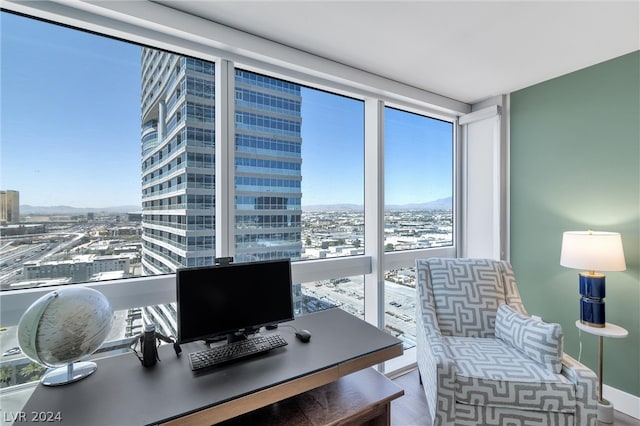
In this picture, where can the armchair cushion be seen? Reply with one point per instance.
(490, 372)
(538, 340)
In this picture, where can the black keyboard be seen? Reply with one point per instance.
(233, 351)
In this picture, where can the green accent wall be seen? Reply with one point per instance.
(575, 165)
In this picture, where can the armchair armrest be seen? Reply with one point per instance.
(435, 363)
(437, 373)
(585, 382)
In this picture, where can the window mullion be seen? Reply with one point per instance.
(225, 157)
(374, 210)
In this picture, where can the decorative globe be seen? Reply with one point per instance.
(62, 327)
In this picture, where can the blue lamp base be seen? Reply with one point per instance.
(592, 290)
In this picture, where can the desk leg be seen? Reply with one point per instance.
(605, 408)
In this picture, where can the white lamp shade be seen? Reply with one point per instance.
(592, 251)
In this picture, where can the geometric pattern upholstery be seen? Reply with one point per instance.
(540, 341)
(472, 378)
(467, 295)
(489, 372)
(475, 415)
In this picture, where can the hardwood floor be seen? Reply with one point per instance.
(411, 409)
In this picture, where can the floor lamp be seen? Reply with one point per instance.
(595, 251)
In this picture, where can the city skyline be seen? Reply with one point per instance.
(439, 204)
(82, 148)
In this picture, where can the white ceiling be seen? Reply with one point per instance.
(465, 50)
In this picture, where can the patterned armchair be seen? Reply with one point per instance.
(484, 361)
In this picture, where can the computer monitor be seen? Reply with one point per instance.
(222, 300)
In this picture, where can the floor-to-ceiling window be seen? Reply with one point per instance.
(418, 204)
(111, 147)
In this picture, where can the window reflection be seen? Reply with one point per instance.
(346, 293)
(400, 304)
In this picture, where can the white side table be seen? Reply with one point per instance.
(605, 408)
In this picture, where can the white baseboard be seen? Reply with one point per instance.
(622, 401)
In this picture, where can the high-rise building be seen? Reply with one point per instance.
(268, 164)
(178, 164)
(9, 207)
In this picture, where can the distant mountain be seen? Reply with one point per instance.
(439, 204)
(26, 209)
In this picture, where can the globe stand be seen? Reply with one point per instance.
(69, 373)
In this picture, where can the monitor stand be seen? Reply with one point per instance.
(236, 337)
(233, 337)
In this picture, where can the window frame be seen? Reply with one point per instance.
(156, 26)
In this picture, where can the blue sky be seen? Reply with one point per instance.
(70, 128)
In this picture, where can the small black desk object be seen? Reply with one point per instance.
(122, 392)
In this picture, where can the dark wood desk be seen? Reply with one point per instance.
(361, 398)
(123, 392)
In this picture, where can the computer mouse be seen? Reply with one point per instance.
(303, 335)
